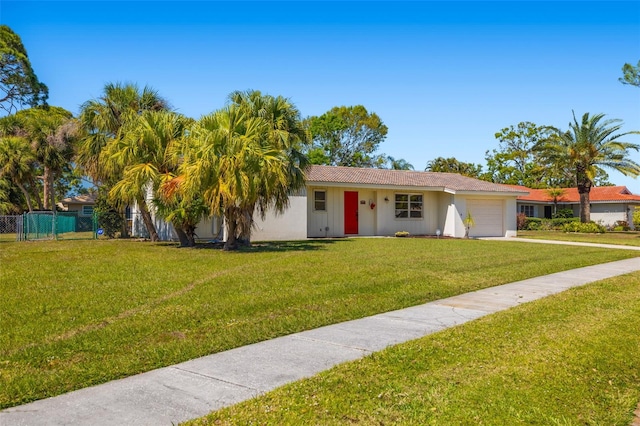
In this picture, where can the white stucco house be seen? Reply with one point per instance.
(347, 201)
(609, 204)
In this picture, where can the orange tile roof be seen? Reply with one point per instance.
(402, 178)
(600, 194)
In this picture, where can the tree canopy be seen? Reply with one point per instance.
(346, 136)
(19, 84)
(630, 75)
(515, 161)
(452, 165)
(591, 142)
(106, 121)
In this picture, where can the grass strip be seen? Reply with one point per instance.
(627, 238)
(569, 359)
(79, 313)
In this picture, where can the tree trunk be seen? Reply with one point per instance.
(36, 194)
(48, 194)
(585, 207)
(26, 195)
(182, 236)
(246, 226)
(124, 230)
(148, 221)
(584, 188)
(232, 227)
(191, 235)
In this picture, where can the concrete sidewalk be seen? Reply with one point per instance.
(567, 243)
(194, 388)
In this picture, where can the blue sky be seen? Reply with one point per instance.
(443, 76)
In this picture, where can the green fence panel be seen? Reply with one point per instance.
(65, 223)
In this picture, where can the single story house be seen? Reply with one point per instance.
(83, 204)
(348, 201)
(609, 204)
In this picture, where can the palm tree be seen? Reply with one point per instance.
(399, 164)
(228, 165)
(51, 132)
(105, 120)
(588, 144)
(285, 132)
(18, 161)
(143, 154)
(555, 194)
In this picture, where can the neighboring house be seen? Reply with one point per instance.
(83, 204)
(609, 204)
(347, 201)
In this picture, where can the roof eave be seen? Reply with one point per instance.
(375, 186)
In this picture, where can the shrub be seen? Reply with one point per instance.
(109, 219)
(522, 220)
(587, 228)
(563, 214)
(559, 222)
(534, 224)
(402, 234)
(621, 225)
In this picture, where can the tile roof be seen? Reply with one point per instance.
(402, 178)
(80, 199)
(600, 194)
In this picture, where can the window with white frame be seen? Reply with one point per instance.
(527, 210)
(408, 206)
(87, 210)
(320, 200)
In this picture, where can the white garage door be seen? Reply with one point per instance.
(488, 218)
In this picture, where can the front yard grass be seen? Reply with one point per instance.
(569, 359)
(78, 313)
(627, 238)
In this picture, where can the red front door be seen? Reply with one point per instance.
(350, 212)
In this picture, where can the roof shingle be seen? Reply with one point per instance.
(598, 194)
(402, 178)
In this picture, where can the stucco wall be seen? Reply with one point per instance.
(379, 220)
(291, 225)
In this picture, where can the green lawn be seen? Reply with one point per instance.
(570, 359)
(8, 237)
(628, 238)
(77, 313)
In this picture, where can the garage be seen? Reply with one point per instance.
(488, 218)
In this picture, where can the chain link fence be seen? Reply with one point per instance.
(47, 226)
(10, 227)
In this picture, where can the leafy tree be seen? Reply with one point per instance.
(346, 136)
(589, 143)
(107, 215)
(105, 120)
(517, 162)
(452, 165)
(630, 75)
(19, 85)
